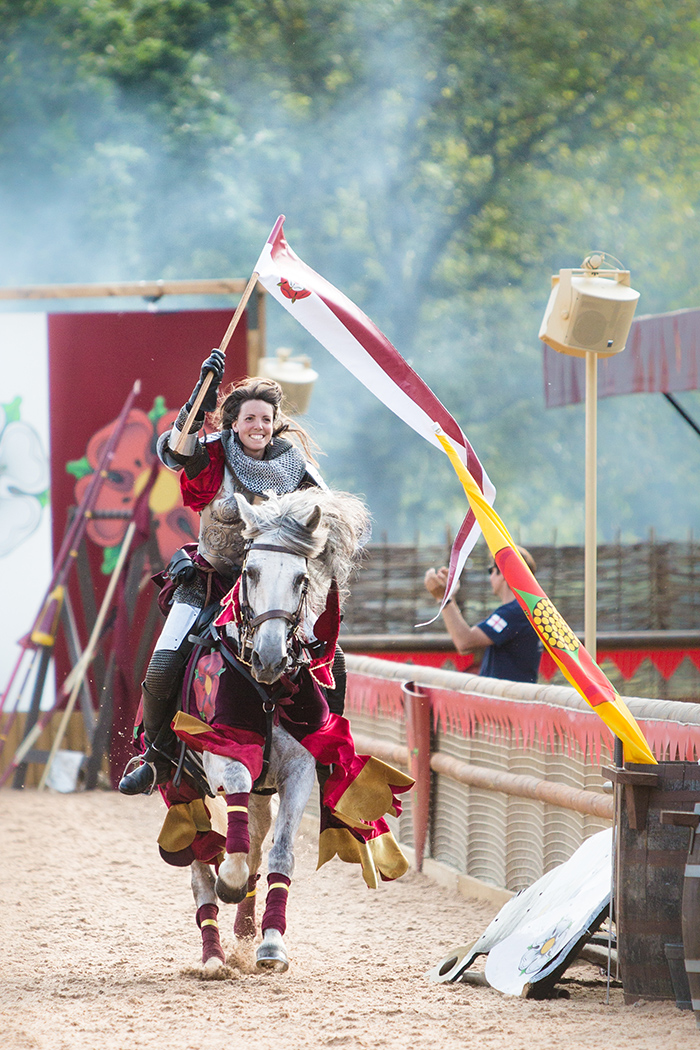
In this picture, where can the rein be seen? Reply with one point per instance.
(249, 623)
(269, 704)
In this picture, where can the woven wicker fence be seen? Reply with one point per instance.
(641, 586)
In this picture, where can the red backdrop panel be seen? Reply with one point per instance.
(94, 360)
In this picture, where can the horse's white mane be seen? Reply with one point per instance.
(333, 547)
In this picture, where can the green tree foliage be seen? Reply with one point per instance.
(437, 159)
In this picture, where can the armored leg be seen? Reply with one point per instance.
(336, 697)
(161, 743)
(159, 699)
(160, 693)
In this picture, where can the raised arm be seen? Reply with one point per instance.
(465, 638)
(192, 449)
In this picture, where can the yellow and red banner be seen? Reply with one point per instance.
(572, 658)
(364, 350)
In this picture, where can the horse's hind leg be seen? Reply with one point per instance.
(259, 820)
(294, 794)
(213, 957)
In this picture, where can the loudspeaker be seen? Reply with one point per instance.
(587, 312)
(294, 375)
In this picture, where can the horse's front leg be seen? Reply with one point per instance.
(260, 818)
(224, 774)
(213, 957)
(294, 792)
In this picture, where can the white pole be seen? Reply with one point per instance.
(591, 554)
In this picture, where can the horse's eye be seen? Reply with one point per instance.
(253, 575)
(300, 580)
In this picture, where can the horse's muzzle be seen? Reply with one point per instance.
(265, 672)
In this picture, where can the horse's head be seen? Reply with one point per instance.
(297, 543)
(275, 582)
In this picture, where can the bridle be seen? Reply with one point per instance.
(249, 622)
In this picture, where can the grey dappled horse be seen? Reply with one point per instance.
(297, 545)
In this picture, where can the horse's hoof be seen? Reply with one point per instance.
(274, 960)
(232, 881)
(213, 968)
(230, 894)
(271, 954)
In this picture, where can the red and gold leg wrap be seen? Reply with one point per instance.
(237, 837)
(244, 925)
(207, 922)
(275, 917)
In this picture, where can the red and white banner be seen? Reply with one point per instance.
(662, 355)
(354, 340)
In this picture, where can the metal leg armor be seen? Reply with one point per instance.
(155, 764)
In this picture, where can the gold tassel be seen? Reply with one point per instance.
(185, 819)
(369, 795)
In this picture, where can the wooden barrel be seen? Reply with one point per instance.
(651, 872)
(675, 956)
(691, 917)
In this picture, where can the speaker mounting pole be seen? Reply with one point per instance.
(588, 315)
(590, 557)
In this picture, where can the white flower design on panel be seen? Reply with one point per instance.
(24, 478)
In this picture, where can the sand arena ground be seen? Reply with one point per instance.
(99, 952)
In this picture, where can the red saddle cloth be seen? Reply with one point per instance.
(223, 710)
(223, 713)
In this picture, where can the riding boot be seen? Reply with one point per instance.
(160, 754)
(336, 705)
(336, 696)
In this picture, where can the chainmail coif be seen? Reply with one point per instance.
(281, 470)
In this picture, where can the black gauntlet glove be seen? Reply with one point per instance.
(214, 364)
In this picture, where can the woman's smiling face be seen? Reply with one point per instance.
(254, 427)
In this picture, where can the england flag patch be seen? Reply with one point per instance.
(496, 622)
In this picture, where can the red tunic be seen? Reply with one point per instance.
(198, 492)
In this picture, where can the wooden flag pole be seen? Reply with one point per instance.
(206, 383)
(80, 669)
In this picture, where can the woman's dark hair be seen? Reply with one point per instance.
(255, 389)
(258, 388)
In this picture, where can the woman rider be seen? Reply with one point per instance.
(250, 454)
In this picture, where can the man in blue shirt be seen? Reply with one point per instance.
(510, 646)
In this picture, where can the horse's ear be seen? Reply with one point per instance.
(314, 519)
(245, 509)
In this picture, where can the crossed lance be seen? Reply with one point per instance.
(43, 631)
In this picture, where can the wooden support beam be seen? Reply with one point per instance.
(636, 786)
(114, 289)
